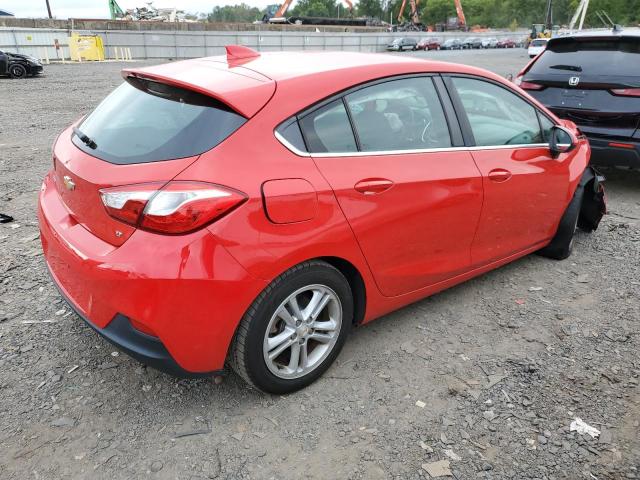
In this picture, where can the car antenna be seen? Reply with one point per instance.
(239, 52)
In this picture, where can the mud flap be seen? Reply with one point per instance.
(594, 201)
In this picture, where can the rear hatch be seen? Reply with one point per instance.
(592, 81)
(148, 130)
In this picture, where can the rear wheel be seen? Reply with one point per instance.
(295, 329)
(562, 243)
(17, 71)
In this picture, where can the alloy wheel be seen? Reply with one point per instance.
(302, 332)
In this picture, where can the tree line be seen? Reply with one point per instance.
(489, 13)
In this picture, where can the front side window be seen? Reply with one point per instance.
(403, 114)
(327, 130)
(547, 125)
(496, 115)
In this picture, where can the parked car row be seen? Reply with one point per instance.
(432, 43)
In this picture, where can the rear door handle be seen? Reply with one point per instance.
(373, 186)
(499, 175)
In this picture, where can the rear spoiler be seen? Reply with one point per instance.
(242, 90)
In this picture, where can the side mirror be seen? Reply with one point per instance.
(562, 141)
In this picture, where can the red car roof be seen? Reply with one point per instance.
(247, 83)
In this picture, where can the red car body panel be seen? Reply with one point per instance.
(431, 207)
(523, 207)
(435, 227)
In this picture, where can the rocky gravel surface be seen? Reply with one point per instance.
(481, 381)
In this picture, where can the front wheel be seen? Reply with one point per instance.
(295, 329)
(17, 71)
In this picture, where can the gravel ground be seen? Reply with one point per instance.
(487, 375)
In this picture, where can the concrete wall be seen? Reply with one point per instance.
(183, 44)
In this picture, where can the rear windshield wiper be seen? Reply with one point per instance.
(84, 138)
(573, 68)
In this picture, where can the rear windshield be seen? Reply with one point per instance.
(538, 43)
(593, 57)
(145, 121)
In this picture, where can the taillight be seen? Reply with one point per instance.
(530, 86)
(175, 208)
(627, 92)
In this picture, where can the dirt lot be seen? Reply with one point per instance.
(503, 363)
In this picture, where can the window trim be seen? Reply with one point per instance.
(461, 113)
(294, 150)
(458, 129)
(454, 128)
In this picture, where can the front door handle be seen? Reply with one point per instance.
(373, 186)
(499, 175)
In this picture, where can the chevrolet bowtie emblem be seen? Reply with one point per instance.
(69, 183)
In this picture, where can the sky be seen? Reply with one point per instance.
(100, 8)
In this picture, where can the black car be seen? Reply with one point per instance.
(17, 65)
(452, 44)
(593, 79)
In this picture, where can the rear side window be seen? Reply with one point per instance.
(401, 114)
(497, 116)
(144, 121)
(327, 130)
(620, 57)
(290, 132)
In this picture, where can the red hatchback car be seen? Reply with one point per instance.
(250, 209)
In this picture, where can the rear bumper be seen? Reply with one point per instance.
(612, 152)
(186, 291)
(144, 348)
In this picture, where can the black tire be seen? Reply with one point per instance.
(246, 355)
(562, 243)
(17, 71)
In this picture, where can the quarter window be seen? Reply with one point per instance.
(497, 116)
(546, 125)
(401, 114)
(327, 130)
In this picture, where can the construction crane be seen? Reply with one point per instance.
(581, 12)
(459, 22)
(415, 16)
(115, 10)
(414, 23)
(278, 16)
(462, 21)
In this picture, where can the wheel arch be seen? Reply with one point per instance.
(356, 283)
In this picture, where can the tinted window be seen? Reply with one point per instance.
(327, 130)
(497, 116)
(546, 125)
(290, 131)
(151, 121)
(402, 114)
(620, 57)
